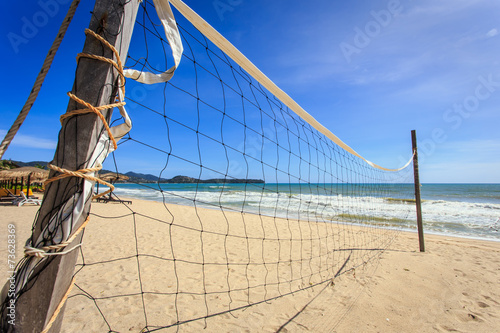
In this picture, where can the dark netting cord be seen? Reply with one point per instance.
(321, 211)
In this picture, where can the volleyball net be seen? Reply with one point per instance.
(251, 202)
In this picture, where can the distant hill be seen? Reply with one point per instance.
(147, 178)
(33, 163)
(185, 179)
(135, 177)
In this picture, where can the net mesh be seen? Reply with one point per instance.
(249, 207)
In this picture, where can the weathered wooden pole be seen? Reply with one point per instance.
(28, 184)
(417, 191)
(95, 82)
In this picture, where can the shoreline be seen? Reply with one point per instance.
(469, 211)
(426, 232)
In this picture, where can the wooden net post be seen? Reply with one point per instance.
(95, 82)
(417, 192)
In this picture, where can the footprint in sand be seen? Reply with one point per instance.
(474, 317)
(442, 328)
(482, 305)
(491, 299)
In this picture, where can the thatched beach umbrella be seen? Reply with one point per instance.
(112, 177)
(34, 174)
(31, 173)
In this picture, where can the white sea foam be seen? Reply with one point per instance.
(460, 218)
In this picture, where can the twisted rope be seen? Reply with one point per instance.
(89, 107)
(42, 252)
(118, 64)
(59, 307)
(82, 173)
(92, 109)
(39, 80)
(87, 173)
(88, 110)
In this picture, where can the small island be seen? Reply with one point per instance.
(135, 177)
(185, 180)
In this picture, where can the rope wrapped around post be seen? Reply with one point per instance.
(83, 173)
(87, 174)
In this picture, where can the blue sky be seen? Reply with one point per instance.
(370, 71)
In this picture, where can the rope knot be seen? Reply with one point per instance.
(82, 173)
(42, 252)
(30, 251)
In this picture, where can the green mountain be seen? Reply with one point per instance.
(135, 177)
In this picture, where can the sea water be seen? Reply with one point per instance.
(466, 210)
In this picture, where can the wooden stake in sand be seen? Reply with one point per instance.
(95, 82)
(417, 192)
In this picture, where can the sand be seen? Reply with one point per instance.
(453, 287)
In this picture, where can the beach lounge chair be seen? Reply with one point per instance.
(7, 195)
(25, 200)
(111, 197)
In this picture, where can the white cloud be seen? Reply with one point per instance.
(428, 42)
(30, 141)
(492, 33)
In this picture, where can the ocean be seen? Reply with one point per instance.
(463, 210)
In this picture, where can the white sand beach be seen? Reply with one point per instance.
(453, 286)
